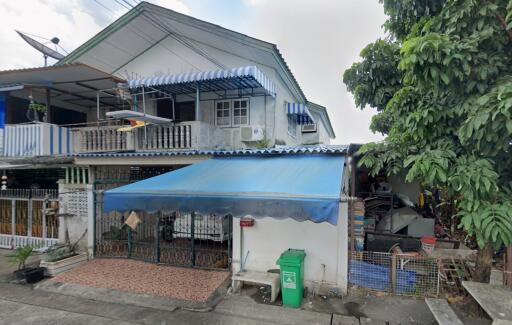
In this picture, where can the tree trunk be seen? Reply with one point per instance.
(483, 264)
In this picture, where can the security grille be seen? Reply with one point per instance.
(178, 239)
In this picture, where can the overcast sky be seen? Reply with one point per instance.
(318, 38)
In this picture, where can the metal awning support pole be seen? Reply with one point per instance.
(198, 105)
(173, 110)
(144, 111)
(98, 108)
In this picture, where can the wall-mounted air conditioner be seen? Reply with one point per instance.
(251, 133)
(309, 128)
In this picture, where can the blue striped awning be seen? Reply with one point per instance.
(215, 80)
(301, 111)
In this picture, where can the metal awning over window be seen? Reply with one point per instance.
(301, 112)
(301, 187)
(216, 80)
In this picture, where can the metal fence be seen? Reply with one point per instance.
(187, 240)
(28, 217)
(400, 274)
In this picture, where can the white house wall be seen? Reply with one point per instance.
(325, 245)
(139, 49)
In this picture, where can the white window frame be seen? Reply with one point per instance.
(229, 117)
(292, 125)
(232, 112)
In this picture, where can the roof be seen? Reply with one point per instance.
(74, 83)
(144, 8)
(282, 150)
(307, 187)
(322, 111)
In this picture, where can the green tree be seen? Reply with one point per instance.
(444, 100)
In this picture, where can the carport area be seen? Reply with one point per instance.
(146, 278)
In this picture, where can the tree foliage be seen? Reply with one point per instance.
(442, 85)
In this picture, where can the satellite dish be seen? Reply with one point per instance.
(47, 51)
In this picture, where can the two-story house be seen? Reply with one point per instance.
(153, 91)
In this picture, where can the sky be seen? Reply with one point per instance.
(319, 39)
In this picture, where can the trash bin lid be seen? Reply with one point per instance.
(292, 257)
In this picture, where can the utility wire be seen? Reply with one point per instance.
(148, 39)
(155, 21)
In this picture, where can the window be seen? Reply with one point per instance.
(223, 113)
(232, 112)
(292, 125)
(240, 112)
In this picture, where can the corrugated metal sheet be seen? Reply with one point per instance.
(40, 139)
(326, 149)
(235, 78)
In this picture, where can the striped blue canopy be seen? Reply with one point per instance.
(236, 78)
(301, 112)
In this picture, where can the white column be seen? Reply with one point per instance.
(90, 218)
(342, 259)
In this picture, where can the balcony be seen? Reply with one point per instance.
(44, 139)
(36, 139)
(185, 135)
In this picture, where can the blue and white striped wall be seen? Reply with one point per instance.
(40, 139)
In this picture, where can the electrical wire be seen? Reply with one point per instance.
(148, 39)
(155, 21)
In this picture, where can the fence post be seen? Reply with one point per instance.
(157, 238)
(13, 220)
(129, 242)
(192, 236)
(392, 273)
(45, 209)
(29, 217)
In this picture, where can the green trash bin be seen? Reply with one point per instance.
(292, 276)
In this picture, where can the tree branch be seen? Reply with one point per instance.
(504, 25)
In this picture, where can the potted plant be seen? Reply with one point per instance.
(20, 257)
(36, 111)
(62, 258)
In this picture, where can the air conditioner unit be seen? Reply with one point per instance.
(309, 128)
(251, 133)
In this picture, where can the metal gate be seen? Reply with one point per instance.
(28, 217)
(178, 239)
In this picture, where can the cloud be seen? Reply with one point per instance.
(320, 39)
(175, 5)
(65, 19)
(255, 2)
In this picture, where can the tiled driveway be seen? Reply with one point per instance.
(146, 278)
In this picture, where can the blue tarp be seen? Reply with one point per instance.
(302, 187)
(376, 277)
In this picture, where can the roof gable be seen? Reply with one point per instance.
(136, 22)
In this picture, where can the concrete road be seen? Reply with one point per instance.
(22, 305)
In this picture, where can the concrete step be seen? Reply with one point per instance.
(442, 312)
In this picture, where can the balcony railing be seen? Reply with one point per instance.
(36, 139)
(103, 138)
(184, 135)
(164, 137)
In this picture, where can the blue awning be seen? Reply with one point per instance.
(305, 187)
(301, 112)
(216, 80)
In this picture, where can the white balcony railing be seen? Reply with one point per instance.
(165, 137)
(102, 138)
